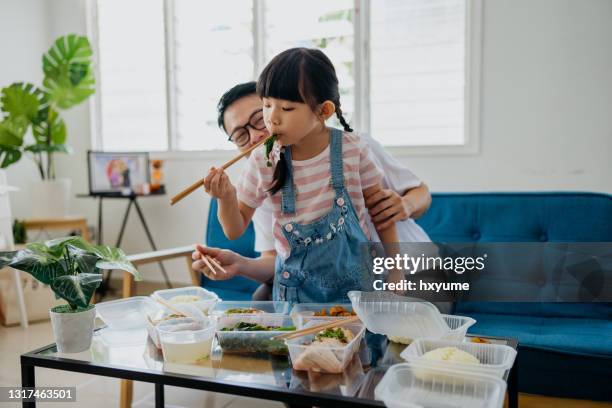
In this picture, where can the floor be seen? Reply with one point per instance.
(102, 392)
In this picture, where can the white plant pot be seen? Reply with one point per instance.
(73, 331)
(50, 198)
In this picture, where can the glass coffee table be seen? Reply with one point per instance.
(132, 355)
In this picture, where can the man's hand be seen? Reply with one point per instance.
(229, 260)
(218, 184)
(387, 207)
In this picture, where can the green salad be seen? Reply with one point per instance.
(245, 326)
(233, 339)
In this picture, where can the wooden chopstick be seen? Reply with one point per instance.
(315, 329)
(200, 182)
(217, 265)
(207, 262)
(174, 309)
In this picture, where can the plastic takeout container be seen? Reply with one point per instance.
(186, 340)
(278, 307)
(163, 315)
(126, 314)
(458, 327)
(319, 358)
(403, 319)
(410, 385)
(302, 313)
(495, 359)
(243, 341)
(205, 301)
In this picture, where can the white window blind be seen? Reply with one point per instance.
(132, 79)
(213, 51)
(417, 71)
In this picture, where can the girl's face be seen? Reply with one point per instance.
(290, 121)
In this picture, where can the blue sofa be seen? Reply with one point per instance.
(565, 350)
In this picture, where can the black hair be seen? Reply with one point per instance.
(302, 75)
(231, 96)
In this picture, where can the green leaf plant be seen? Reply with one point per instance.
(71, 266)
(68, 81)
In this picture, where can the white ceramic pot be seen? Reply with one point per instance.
(50, 198)
(73, 331)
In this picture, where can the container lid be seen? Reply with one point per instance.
(414, 385)
(184, 324)
(393, 315)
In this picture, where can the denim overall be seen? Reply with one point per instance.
(328, 257)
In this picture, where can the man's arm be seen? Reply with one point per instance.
(387, 207)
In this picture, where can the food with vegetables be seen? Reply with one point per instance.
(328, 352)
(269, 145)
(251, 337)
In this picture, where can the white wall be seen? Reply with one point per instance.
(24, 37)
(546, 114)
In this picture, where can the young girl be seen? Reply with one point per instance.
(316, 187)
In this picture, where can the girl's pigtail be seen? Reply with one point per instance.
(343, 121)
(280, 174)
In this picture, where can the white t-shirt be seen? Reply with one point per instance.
(395, 177)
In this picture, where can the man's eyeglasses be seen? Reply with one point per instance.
(241, 136)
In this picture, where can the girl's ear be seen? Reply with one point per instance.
(327, 109)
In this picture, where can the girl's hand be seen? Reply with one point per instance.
(387, 207)
(229, 260)
(218, 184)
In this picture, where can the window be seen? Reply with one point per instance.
(401, 65)
(131, 76)
(417, 72)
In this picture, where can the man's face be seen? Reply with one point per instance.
(237, 116)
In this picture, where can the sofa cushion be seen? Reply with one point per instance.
(588, 337)
(519, 217)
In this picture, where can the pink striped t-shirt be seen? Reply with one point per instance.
(312, 179)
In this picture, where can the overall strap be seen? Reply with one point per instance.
(288, 192)
(337, 170)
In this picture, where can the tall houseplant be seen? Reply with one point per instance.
(68, 81)
(72, 267)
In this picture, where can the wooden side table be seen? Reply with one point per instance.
(61, 223)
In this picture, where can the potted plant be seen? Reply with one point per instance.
(68, 81)
(72, 267)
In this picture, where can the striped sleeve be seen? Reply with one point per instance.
(249, 188)
(369, 172)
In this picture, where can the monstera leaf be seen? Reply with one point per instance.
(22, 100)
(71, 266)
(49, 128)
(12, 131)
(68, 72)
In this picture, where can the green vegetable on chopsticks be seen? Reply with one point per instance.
(269, 145)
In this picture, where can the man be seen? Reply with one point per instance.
(404, 197)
